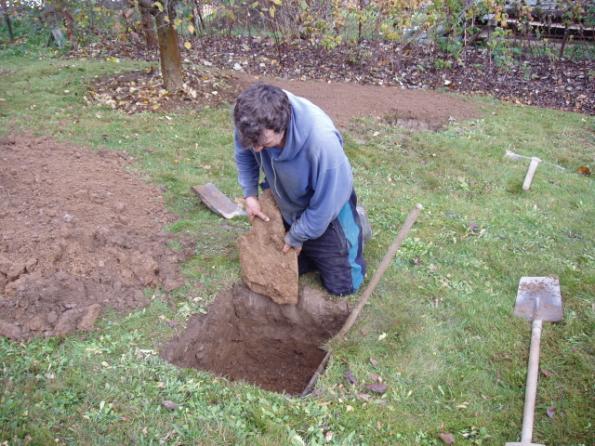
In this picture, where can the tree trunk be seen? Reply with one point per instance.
(127, 16)
(9, 26)
(197, 18)
(169, 53)
(148, 28)
(564, 41)
(360, 12)
(68, 22)
(7, 20)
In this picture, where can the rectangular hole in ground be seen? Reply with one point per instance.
(245, 336)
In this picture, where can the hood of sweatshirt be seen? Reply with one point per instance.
(304, 115)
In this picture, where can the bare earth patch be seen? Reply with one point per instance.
(416, 109)
(79, 234)
(141, 91)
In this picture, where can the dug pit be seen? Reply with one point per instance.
(247, 337)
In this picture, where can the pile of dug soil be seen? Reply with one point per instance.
(79, 233)
(246, 336)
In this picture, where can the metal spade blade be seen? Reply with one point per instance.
(539, 298)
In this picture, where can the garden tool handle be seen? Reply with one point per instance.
(530, 173)
(531, 390)
(392, 250)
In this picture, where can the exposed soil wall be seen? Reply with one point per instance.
(246, 336)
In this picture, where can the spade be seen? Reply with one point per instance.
(538, 299)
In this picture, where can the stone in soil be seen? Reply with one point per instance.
(246, 337)
(265, 269)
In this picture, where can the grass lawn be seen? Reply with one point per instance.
(439, 328)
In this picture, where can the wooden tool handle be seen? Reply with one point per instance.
(531, 390)
(392, 250)
(530, 173)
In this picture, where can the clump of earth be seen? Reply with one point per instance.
(265, 268)
(80, 233)
(248, 337)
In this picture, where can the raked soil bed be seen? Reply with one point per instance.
(79, 233)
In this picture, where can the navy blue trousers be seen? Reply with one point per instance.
(338, 253)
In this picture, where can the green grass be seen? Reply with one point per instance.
(440, 327)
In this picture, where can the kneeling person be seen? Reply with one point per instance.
(300, 152)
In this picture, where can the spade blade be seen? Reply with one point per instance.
(217, 201)
(539, 298)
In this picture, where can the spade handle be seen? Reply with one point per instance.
(386, 261)
(530, 173)
(531, 390)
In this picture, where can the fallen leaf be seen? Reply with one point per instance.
(547, 373)
(169, 405)
(551, 411)
(350, 378)
(187, 45)
(584, 170)
(473, 227)
(379, 388)
(374, 362)
(375, 377)
(363, 396)
(446, 437)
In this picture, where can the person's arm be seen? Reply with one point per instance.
(332, 189)
(248, 168)
(248, 174)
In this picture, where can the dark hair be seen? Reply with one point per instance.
(260, 107)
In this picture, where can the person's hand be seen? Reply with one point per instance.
(286, 249)
(253, 209)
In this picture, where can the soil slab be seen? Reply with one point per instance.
(265, 268)
(247, 337)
